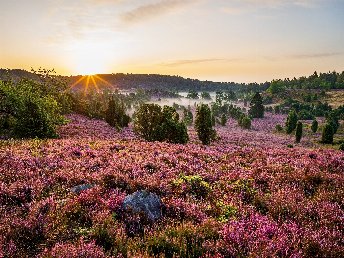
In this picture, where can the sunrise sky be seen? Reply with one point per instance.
(222, 40)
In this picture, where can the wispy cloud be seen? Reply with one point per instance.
(316, 55)
(236, 7)
(177, 63)
(151, 10)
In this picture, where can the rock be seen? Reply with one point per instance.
(144, 202)
(79, 188)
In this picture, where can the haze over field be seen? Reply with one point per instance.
(219, 40)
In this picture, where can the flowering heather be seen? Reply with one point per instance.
(246, 194)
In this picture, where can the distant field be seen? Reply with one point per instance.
(335, 98)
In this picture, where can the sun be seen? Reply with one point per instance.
(91, 83)
(88, 57)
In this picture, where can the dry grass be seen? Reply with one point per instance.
(335, 98)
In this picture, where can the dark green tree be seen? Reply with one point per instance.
(314, 126)
(276, 86)
(223, 120)
(192, 94)
(327, 134)
(156, 124)
(291, 122)
(333, 119)
(170, 129)
(115, 114)
(298, 133)
(205, 95)
(256, 106)
(203, 124)
(147, 119)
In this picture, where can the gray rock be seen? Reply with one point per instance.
(79, 188)
(144, 202)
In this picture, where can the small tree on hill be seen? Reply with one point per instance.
(146, 121)
(115, 114)
(256, 106)
(333, 119)
(291, 122)
(327, 134)
(314, 126)
(298, 133)
(203, 124)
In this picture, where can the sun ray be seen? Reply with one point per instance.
(94, 83)
(77, 82)
(106, 82)
(87, 83)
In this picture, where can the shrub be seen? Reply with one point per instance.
(187, 116)
(333, 119)
(115, 113)
(194, 185)
(327, 134)
(154, 124)
(298, 133)
(223, 120)
(245, 122)
(203, 124)
(26, 111)
(256, 106)
(279, 128)
(314, 126)
(291, 121)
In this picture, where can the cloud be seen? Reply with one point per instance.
(182, 62)
(237, 7)
(151, 10)
(316, 55)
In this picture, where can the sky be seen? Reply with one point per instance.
(219, 40)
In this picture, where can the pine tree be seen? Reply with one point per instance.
(298, 134)
(327, 134)
(256, 106)
(291, 122)
(115, 114)
(203, 124)
(314, 126)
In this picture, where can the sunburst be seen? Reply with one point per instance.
(89, 81)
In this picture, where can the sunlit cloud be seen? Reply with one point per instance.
(151, 10)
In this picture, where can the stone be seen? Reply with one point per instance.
(79, 188)
(143, 202)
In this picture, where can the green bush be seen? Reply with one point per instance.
(115, 114)
(256, 106)
(298, 133)
(327, 134)
(314, 126)
(245, 122)
(291, 122)
(27, 110)
(203, 124)
(187, 116)
(156, 124)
